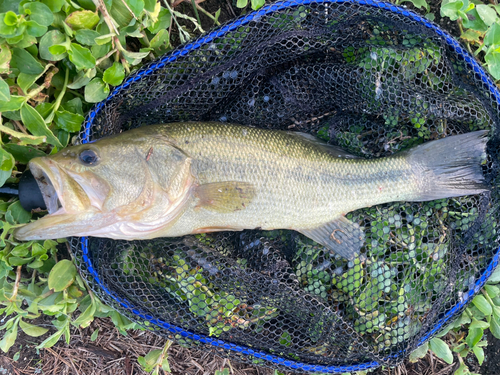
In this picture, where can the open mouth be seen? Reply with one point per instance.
(47, 188)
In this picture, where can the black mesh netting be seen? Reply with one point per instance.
(373, 79)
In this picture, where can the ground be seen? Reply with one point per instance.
(114, 354)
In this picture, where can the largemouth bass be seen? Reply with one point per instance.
(184, 178)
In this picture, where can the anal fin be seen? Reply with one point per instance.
(225, 197)
(340, 236)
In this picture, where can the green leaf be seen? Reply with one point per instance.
(160, 42)
(53, 37)
(34, 29)
(24, 139)
(495, 276)
(13, 104)
(51, 340)
(19, 214)
(25, 62)
(7, 162)
(39, 12)
(96, 91)
(474, 336)
(482, 304)
(257, 4)
(37, 126)
(479, 352)
(134, 58)
(23, 154)
(25, 81)
(71, 122)
(462, 370)
(120, 13)
(54, 5)
(4, 90)
(82, 19)
(74, 105)
(32, 330)
(163, 22)
(5, 57)
(493, 62)
(86, 317)
(86, 37)
(82, 78)
(487, 14)
(474, 21)
(81, 57)
(9, 338)
(479, 324)
(62, 275)
(93, 337)
(10, 19)
(241, 3)
(114, 74)
(495, 326)
(441, 350)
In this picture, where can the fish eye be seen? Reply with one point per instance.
(89, 157)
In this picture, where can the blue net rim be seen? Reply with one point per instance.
(208, 38)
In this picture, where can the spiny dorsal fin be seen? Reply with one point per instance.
(224, 197)
(341, 236)
(331, 149)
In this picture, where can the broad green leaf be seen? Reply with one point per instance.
(5, 56)
(493, 62)
(23, 154)
(82, 78)
(487, 14)
(25, 62)
(54, 5)
(86, 37)
(492, 290)
(59, 49)
(10, 19)
(32, 330)
(4, 90)
(82, 19)
(114, 74)
(103, 39)
(120, 13)
(81, 57)
(86, 317)
(495, 326)
(160, 42)
(9, 338)
(35, 29)
(51, 340)
(451, 9)
(53, 37)
(471, 35)
(96, 91)
(74, 105)
(39, 12)
(479, 352)
(482, 304)
(37, 126)
(241, 3)
(163, 22)
(441, 350)
(479, 324)
(6, 164)
(257, 4)
(94, 335)
(474, 21)
(25, 81)
(24, 139)
(71, 122)
(13, 104)
(495, 276)
(62, 275)
(19, 214)
(134, 58)
(474, 336)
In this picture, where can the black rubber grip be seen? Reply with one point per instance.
(30, 195)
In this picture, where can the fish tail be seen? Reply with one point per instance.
(449, 167)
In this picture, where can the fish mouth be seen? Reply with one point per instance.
(44, 172)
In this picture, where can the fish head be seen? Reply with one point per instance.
(94, 186)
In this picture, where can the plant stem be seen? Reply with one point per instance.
(106, 56)
(59, 99)
(207, 14)
(16, 284)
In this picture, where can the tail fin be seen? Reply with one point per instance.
(450, 167)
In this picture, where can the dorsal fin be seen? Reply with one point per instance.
(331, 149)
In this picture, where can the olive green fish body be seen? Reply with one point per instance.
(177, 179)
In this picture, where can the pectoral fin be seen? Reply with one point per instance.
(341, 236)
(224, 197)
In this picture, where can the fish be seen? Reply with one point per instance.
(172, 180)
